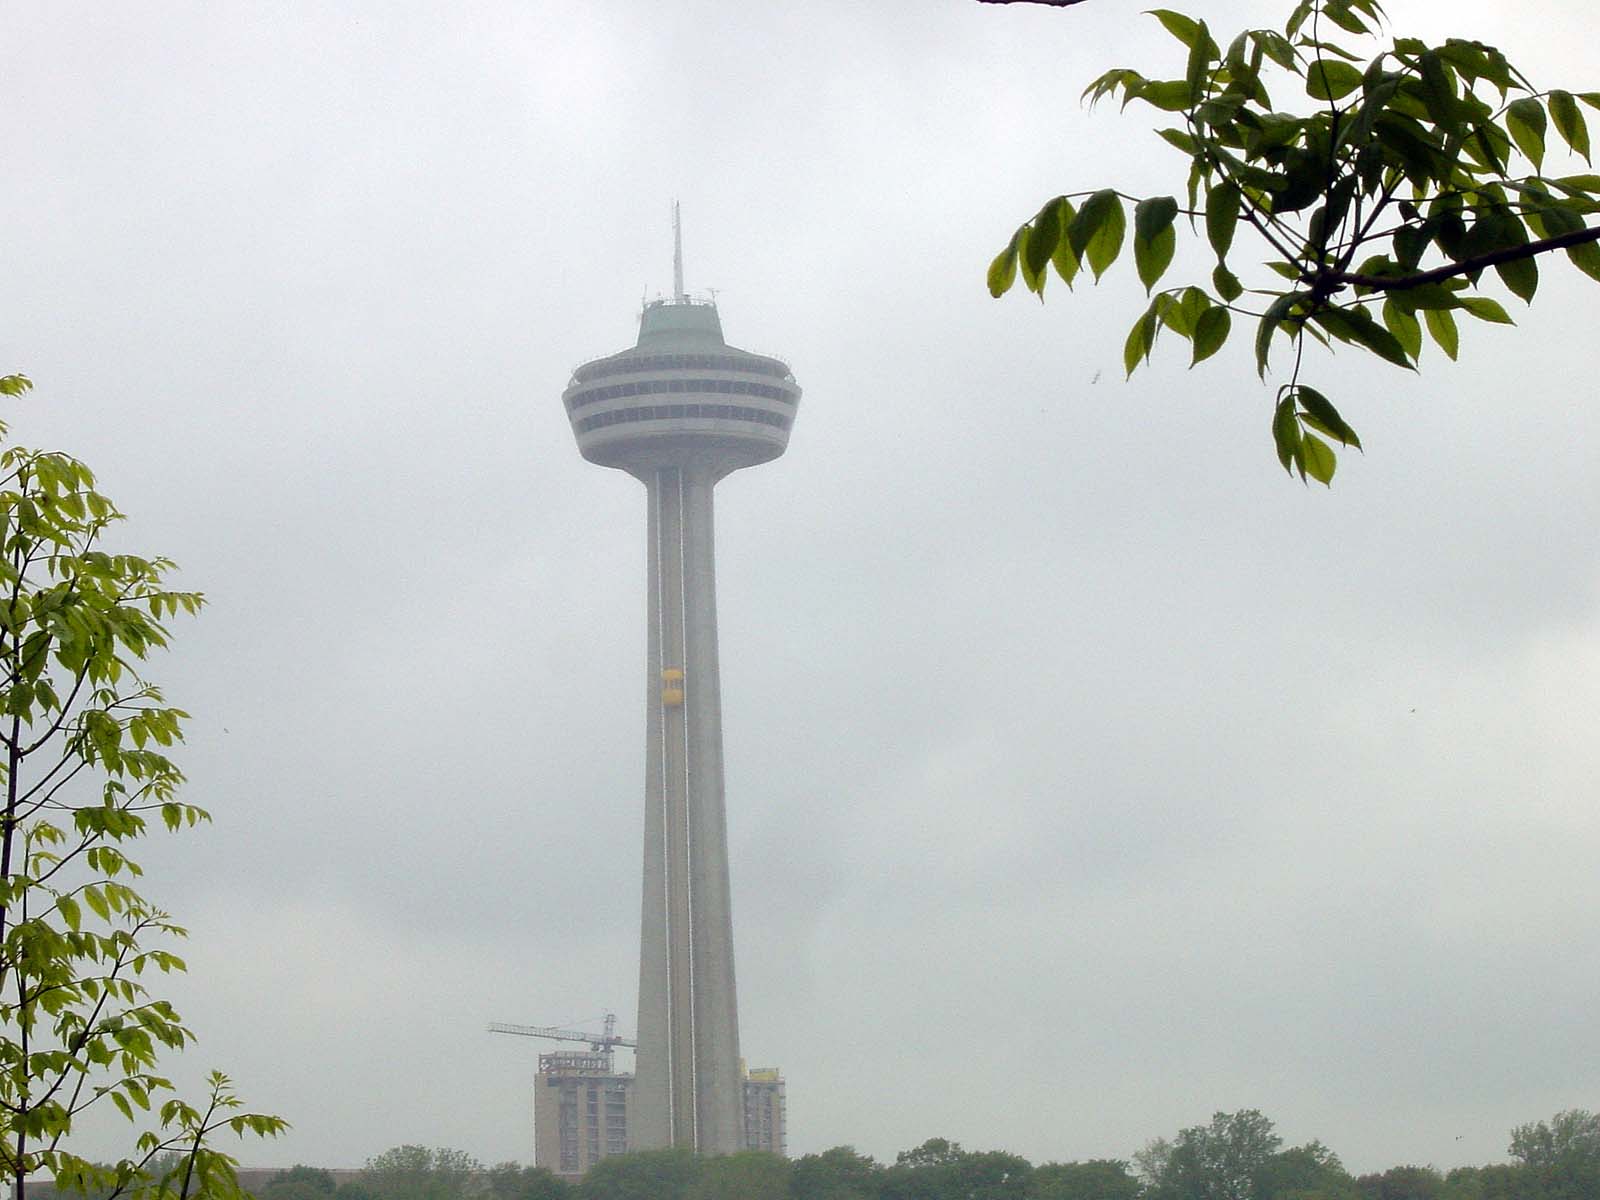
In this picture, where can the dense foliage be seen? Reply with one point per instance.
(83, 769)
(1381, 198)
(1237, 1156)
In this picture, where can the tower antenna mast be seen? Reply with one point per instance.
(677, 254)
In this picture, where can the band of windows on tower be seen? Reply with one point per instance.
(651, 387)
(749, 364)
(667, 412)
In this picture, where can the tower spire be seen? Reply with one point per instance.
(677, 254)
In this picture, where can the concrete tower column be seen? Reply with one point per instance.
(688, 1064)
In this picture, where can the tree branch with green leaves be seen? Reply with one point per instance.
(84, 765)
(1383, 202)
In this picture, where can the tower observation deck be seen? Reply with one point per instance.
(679, 411)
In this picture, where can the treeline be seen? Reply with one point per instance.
(1238, 1156)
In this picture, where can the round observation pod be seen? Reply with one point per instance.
(682, 395)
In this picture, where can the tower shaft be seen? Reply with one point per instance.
(689, 1089)
(678, 411)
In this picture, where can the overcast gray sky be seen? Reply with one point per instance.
(1085, 776)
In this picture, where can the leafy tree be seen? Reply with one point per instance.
(749, 1175)
(1401, 1183)
(1497, 1182)
(1153, 1164)
(1382, 200)
(1309, 1172)
(1221, 1161)
(412, 1172)
(1097, 1179)
(513, 1181)
(935, 1152)
(1573, 1135)
(941, 1170)
(83, 768)
(837, 1174)
(1563, 1154)
(642, 1175)
(299, 1182)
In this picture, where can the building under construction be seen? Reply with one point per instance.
(583, 1107)
(765, 1112)
(580, 1111)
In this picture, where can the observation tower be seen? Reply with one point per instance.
(679, 411)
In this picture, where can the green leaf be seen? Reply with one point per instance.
(1275, 46)
(1286, 435)
(1065, 259)
(1153, 215)
(1586, 258)
(1169, 95)
(1222, 216)
(1141, 338)
(1037, 247)
(1297, 17)
(1179, 310)
(1410, 242)
(1185, 29)
(1486, 309)
(1097, 231)
(1442, 326)
(1553, 219)
(1226, 283)
(1526, 124)
(1153, 258)
(1003, 270)
(1427, 295)
(1317, 459)
(1579, 183)
(1128, 81)
(1320, 414)
(1331, 79)
(1305, 180)
(1210, 331)
(1154, 240)
(1338, 11)
(1438, 89)
(1521, 276)
(1177, 138)
(1276, 313)
(1404, 325)
(70, 912)
(1201, 54)
(1356, 326)
(95, 899)
(1569, 122)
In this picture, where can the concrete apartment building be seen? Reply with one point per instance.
(765, 1112)
(582, 1107)
(580, 1111)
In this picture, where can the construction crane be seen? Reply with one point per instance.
(600, 1043)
